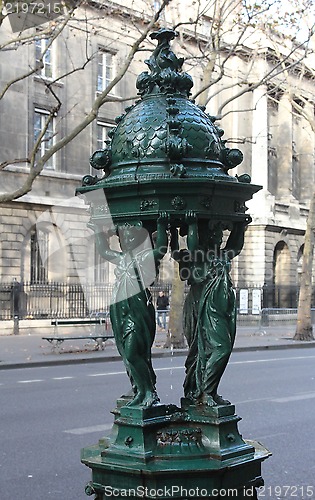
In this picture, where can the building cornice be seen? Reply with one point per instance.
(44, 173)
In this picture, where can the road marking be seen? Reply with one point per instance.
(250, 401)
(169, 368)
(88, 430)
(267, 436)
(62, 378)
(248, 361)
(298, 397)
(29, 381)
(105, 374)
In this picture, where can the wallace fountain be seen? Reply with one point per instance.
(165, 174)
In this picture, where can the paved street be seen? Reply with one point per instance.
(49, 413)
(19, 351)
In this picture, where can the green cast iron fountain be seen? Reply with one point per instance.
(165, 173)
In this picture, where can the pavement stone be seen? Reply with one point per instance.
(29, 350)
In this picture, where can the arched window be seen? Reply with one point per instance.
(44, 255)
(284, 294)
(39, 255)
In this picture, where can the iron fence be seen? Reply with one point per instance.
(74, 300)
(6, 300)
(53, 300)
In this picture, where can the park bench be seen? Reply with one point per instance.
(99, 338)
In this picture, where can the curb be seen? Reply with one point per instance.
(164, 354)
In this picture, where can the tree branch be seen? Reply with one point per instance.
(35, 170)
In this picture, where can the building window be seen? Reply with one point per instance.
(100, 268)
(44, 56)
(44, 121)
(205, 27)
(102, 133)
(105, 70)
(39, 256)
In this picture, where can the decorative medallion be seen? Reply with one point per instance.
(179, 437)
(147, 204)
(179, 203)
(206, 202)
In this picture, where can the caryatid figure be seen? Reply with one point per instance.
(209, 309)
(132, 313)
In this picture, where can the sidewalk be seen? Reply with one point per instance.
(19, 351)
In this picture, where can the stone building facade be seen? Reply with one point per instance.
(283, 163)
(43, 234)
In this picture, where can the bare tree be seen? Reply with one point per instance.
(76, 17)
(212, 33)
(304, 327)
(175, 337)
(268, 36)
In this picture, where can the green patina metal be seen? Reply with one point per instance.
(165, 137)
(209, 309)
(132, 313)
(165, 173)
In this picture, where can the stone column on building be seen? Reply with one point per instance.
(305, 149)
(263, 206)
(260, 138)
(262, 209)
(284, 148)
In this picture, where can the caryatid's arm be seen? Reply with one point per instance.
(161, 244)
(102, 244)
(235, 241)
(192, 239)
(192, 234)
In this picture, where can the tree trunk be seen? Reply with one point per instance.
(175, 335)
(304, 328)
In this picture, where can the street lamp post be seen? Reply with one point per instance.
(166, 173)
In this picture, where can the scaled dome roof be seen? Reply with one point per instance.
(165, 134)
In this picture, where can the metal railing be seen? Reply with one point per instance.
(58, 300)
(269, 316)
(74, 300)
(53, 300)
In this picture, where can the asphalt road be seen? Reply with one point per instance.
(48, 414)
